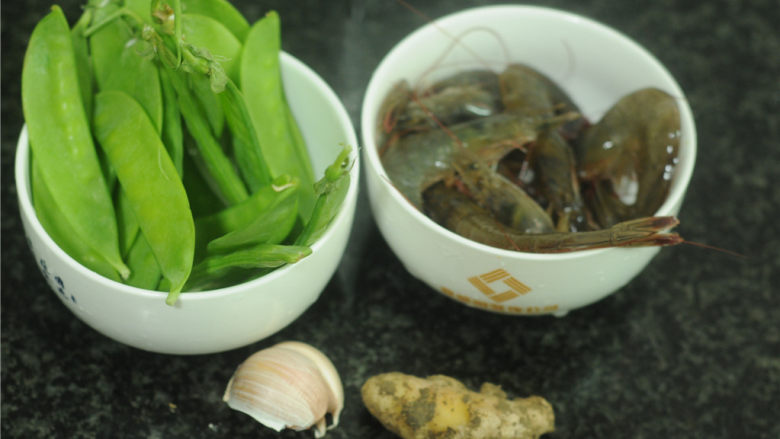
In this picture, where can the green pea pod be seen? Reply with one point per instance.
(203, 200)
(261, 83)
(240, 215)
(126, 221)
(143, 266)
(246, 147)
(270, 226)
(216, 267)
(219, 167)
(119, 63)
(148, 177)
(60, 138)
(205, 32)
(297, 137)
(209, 103)
(81, 52)
(62, 232)
(172, 134)
(331, 190)
(221, 11)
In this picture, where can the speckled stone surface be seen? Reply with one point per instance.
(690, 348)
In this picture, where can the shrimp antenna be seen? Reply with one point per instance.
(457, 40)
(718, 249)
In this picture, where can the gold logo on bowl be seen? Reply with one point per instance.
(499, 286)
(516, 288)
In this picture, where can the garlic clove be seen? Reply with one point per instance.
(289, 385)
(329, 374)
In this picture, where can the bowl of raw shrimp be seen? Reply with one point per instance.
(525, 175)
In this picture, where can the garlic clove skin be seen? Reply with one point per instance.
(329, 374)
(289, 385)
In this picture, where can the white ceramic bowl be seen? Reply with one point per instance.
(596, 65)
(217, 320)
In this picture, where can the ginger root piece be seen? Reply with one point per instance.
(442, 407)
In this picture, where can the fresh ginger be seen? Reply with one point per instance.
(442, 407)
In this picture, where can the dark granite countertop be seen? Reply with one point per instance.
(690, 348)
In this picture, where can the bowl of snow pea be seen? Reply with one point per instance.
(533, 164)
(185, 185)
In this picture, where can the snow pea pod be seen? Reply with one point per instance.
(210, 271)
(218, 166)
(149, 178)
(61, 141)
(203, 200)
(269, 226)
(81, 53)
(172, 134)
(331, 190)
(235, 217)
(246, 146)
(145, 271)
(61, 232)
(118, 64)
(126, 221)
(261, 83)
(209, 103)
(221, 11)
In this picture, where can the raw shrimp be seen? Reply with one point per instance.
(457, 212)
(526, 91)
(418, 160)
(450, 173)
(629, 156)
(458, 98)
(529, 93)
(507, 202)
(554, 167)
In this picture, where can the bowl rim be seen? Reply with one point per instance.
(683, 174)
(22, 179)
